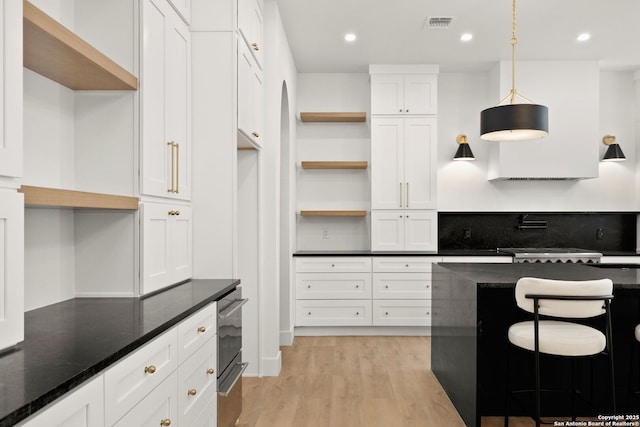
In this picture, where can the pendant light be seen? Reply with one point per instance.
(514, 122)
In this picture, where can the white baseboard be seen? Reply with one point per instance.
(286, 337)
(271, 366)
(413, 331)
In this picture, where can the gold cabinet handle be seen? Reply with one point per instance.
(400, 195)
(406, 265)
(357, 313)
(386, 313)
(428, 313)
(427, 286)
(202, 329)
(386, 286)
(192, 392)
(210, 371)
(170, 144)
(308, 286)
(177, 189)
(165, 422)
(177, 212)
(333, 265)
(357, 286)
(407, 191)
(149, 369)
(255, 134)
(255, 46)
(309, 313)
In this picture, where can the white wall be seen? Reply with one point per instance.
(279, 68)
(463, 186)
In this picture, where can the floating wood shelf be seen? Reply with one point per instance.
(334, 165)
(333, 213)
(333, 117)
(42, 196)
(55, 52)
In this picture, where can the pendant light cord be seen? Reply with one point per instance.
(514, 41)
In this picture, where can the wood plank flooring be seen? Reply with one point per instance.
(350, 381)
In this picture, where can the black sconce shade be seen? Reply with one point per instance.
(614, 154)
(464, 153)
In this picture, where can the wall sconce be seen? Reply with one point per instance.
(614, 152)
(464, 151)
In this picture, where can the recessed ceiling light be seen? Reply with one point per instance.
(466, 37)
(583, 37)
(350, 37)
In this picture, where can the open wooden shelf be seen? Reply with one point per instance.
(55, 52)
(334, 165)
(333, 213)
(333, 117)
(42, 196)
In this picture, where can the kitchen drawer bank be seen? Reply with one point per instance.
(73, 349)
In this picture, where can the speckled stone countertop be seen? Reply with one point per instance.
(69, 342)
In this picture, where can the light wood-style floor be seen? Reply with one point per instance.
(354, 382)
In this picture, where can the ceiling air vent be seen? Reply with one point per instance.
(437, 22)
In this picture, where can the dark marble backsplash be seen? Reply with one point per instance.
(604, 232)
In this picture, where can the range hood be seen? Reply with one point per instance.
(571, 90)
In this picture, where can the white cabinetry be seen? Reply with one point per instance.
(333, 291)
(165, 98)
(250, 95)
(404, 230)
(403, 162)
(402, 291)
(159, 407)
(404, 94)
(250, 24)
(11, 268)
(81, 408)
(11, 89)
(197, 383)
(183, 7)
(166, 245)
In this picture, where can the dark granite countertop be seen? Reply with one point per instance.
(69, 342)
(446, 252)
(505, 275)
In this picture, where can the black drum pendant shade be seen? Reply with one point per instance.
(514, 122)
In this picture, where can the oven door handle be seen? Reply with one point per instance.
(239, 369)
(232, 308)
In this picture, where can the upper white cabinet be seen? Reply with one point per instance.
(166, 245)
(11, 89)
(404, 230)
(250, 96)
(11, 268)
(403, 163)
(250, 24)
(404, 94)
(165, 97)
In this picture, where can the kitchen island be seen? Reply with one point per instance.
(473, 306)
(70, 342)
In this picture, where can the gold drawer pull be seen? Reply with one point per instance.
(192, 392)
(386, 286)
(333, 265)
(165, 422)
(202, 329)
(428, 313)
(210, 371)
(386, 313)
(309, 313)
(427, 286)
(255, 134)
(309, 286)
(406, 265)
(357, 313)
(255, 46)
(357, 286)
(149, 369)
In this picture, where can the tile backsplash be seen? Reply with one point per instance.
(604, 232)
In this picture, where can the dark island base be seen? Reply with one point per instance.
(469, 352)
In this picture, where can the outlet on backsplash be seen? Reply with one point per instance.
(599, 233)
(325, 233)
(466, 234)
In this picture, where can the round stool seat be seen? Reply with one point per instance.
(638, 332)
(559, 338)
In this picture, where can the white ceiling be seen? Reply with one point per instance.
(391, 32)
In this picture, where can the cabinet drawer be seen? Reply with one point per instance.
(129, 381)
(333, 286)
(333, 313)
(402, 285)
(197, 382)
(403, 264)
(196, 330)
(402, 313)
(331, 264)
(161, 404)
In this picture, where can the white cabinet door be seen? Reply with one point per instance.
(420, 163)
(165, 93)
(333, 312)
(250, 24)
(250, 96)
(410, 94)
(387, 163)
(183, 7)
(333, 285)
(11, 90)
(11, 268)
(421, 231)
(159, 407)
(197, 382)
(83, 407)
(166, 245)
(401, 313)
(404, 230)
(402, 285)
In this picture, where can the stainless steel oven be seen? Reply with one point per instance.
(230, 365)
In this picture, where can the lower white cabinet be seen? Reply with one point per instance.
(158, 408)
(333, 312)
(166, 245)
(404, 230)
(81, 408)
(396, 312)
(333, 285)
(197, 383)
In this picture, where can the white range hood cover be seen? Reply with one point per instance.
(570, 89)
